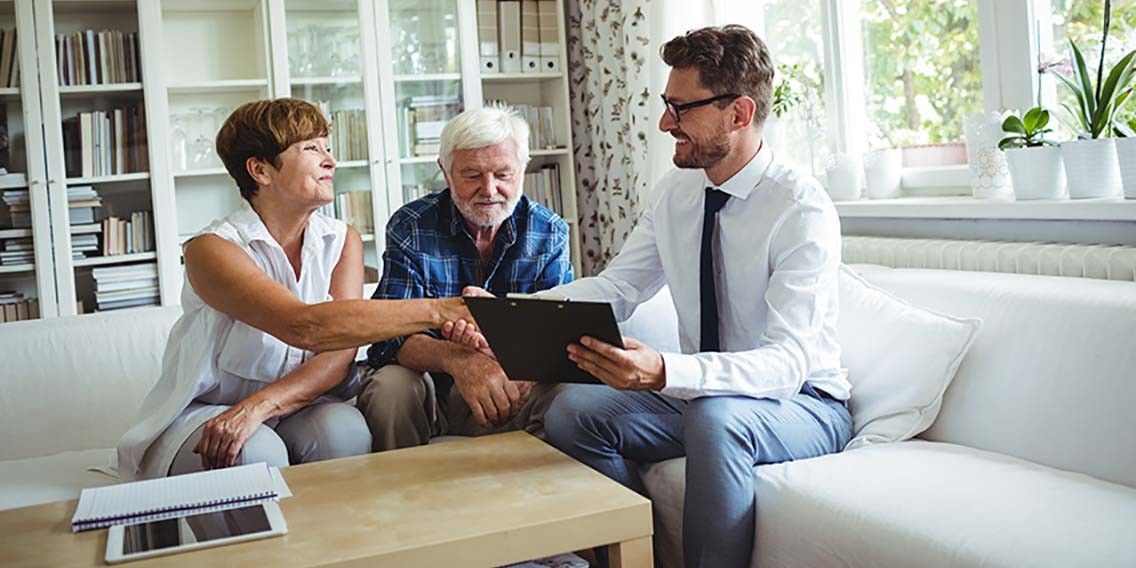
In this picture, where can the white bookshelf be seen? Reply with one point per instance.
(547, 89)
(202, 58)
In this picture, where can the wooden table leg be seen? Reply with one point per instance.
(631, 554)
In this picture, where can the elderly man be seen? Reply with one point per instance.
(481, 231)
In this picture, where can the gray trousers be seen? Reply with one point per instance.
(402, 409)
(320, 431)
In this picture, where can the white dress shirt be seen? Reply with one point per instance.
(213, 361)
(776, 254)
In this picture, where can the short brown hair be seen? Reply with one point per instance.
(729, 59)
(263, 129)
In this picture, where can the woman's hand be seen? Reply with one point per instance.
(223, 437)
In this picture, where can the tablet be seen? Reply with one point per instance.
(193, 532)
(530, 337)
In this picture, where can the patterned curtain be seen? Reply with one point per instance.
(609, 56)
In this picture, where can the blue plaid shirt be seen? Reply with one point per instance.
(430, 254)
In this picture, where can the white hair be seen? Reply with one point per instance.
(486, 126)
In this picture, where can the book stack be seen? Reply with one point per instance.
(517, 36)
(83, 203)
(542, 133)
(424, 117)
(543, 186)
(97, 58)
(15, 307)
(348, 137)
(9, 63)
(106, 142)
(128, 236)
(16, 250)
(126, 286)
(18, 202)
(354, 208)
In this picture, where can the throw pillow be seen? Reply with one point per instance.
(900, 360)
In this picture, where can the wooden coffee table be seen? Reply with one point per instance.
(484, 501)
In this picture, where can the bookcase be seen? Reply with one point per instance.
(131, 94)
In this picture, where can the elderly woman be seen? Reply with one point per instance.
(259, 366)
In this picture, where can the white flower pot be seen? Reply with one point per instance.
(1126, 155)
(1091, 168)
(844, 175)
(1037, 173)
(883, 173)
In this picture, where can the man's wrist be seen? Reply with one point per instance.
(661, 376)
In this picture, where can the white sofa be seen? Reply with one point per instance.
(1032, 461)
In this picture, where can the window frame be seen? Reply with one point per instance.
(1006, 53)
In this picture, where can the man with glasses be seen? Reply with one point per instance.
(750, 250)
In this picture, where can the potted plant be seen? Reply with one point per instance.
(1035, 162)
(1126, 154)
(1090, 161)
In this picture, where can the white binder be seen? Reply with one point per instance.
(530, 37)
(549, 36)
(509, 28)
(488, 48)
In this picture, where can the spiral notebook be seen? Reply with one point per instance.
(178, 496)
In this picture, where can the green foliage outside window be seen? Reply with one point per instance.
(1080, 21)
(922, 66)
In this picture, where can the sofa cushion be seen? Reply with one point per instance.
(76, 383)
(919, 503)
(57, 477)
(900, 359)
(1050, 378)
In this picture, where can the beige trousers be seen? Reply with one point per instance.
(402, 409)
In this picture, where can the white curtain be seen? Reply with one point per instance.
(616, 77)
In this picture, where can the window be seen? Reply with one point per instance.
(921, 69)
(794, 32)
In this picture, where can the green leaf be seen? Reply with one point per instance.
(1082, 113)
(1031, 118)
(1042, 120)
(1120, 75)
(1010, 142)
(1013, 124)
(1082, 72)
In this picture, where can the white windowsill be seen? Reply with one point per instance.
(963, 207)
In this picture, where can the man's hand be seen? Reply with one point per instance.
(224, 436)
(638, 367)
(492, 397)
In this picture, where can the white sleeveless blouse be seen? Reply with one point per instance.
(213, 361)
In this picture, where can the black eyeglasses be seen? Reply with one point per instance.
(676, 109)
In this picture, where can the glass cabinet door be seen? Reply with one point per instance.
(325, 66)
(428, 88)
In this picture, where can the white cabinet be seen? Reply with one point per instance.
(388, 72)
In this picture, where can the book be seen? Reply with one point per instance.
(177, 496)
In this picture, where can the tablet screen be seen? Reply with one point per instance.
(195, 528)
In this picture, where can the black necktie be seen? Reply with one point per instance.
(715, 199)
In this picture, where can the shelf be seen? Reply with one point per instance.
(136, 176)
(14, 268)
(316, 81)
(9, 92)
(65, 90)
(368, 238)
(202, 172)
(225, 86)
(427, 77)
(117, 259)
(521, 77)
(549, 152)
(353, 164)
(15, 233)
(1103, 209)
(418, 160)
(13, 180)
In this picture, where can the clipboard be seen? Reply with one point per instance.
(530, 337)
